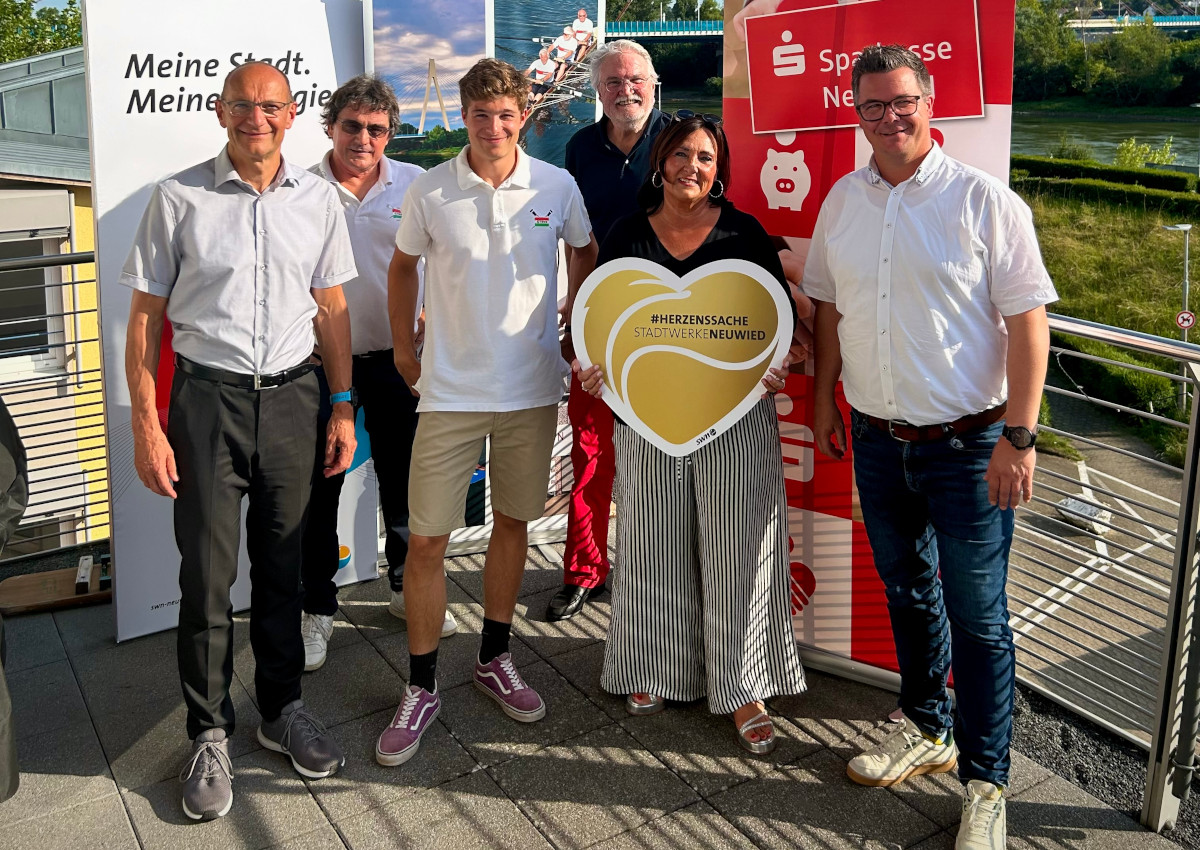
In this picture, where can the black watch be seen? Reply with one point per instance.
(1020, 436)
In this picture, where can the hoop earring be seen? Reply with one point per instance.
(656, 176)
(720, 187)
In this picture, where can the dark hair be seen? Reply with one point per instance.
(649, 196)
(882, 58)
(490, 79)
(367, 94)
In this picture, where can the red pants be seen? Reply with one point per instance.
(592, 458)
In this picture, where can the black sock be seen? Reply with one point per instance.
(422, 670)
(495, 640)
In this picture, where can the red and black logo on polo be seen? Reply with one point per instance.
(541, 220)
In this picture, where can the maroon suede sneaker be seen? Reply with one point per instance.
(501, 681)
(400, 739)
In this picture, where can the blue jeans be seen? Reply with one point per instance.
(942, 552)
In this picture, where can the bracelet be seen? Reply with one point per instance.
(340, 397)
(566, 329)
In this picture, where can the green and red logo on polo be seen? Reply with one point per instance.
(541, 220)
(395, 212)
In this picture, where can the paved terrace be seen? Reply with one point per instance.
(101, 740)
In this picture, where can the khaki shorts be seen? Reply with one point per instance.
(446, 452)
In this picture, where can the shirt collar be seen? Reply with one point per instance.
(928, 167)
(657, 117)
(224, 172)
(520, 178)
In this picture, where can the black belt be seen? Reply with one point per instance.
(239, 379)
(906, 432)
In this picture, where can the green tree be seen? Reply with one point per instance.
(1044, 54)
(1130, 154)
(26, 31)
(637, 10)
(1139, 58)
(685, 10)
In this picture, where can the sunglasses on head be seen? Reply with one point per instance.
(685, 114)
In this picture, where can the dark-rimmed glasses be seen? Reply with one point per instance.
(685, 114)
(242, 108)
(902, 107)
(352, 128)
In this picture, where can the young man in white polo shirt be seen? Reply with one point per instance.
(488, 224)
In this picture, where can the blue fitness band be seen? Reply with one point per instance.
(338, 397)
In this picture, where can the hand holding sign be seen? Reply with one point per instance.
(681, 357)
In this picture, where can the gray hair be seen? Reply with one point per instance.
(612, 48)
(883, 58)
(366, 93)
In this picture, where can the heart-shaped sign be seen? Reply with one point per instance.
(682, 357)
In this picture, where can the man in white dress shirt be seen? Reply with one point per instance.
(931, 294)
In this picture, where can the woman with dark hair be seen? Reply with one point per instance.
(701, 601)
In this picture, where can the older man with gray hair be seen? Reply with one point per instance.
(609, 160)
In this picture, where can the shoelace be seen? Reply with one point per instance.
(407, 707)
(211, 759)
(899, 740)
(507, 666)
(980, 813)
(310, 725)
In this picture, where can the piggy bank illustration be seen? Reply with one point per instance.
(785, 179)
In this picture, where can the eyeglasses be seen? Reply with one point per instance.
(242, 108)
(711, 120)
(353, 128)
(616, 84)
(901, 107)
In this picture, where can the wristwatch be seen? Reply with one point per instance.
(1020, 436)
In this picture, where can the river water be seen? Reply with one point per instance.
(1038, 135)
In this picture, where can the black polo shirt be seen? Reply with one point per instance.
(608, 179)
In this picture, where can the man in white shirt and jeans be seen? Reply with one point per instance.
(360, 118)
(488, 224)
(930, 300)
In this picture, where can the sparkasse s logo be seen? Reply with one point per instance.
(788, 58)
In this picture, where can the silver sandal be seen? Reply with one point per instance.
(641, 709)
(759, 748)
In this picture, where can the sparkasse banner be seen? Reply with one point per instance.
(154, 73)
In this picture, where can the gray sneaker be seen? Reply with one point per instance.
(208, 777)
(303, 739)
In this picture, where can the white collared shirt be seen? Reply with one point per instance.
(583, 29)
(922, 274)
(491, 282)
(372, 223)
(239, 266)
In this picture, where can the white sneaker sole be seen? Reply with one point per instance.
(915, 770)
(397, 759)
(315, 664)
(449, 624)
(300, 769)
(219, 814)
(516, 714)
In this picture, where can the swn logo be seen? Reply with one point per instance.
(541, 220)
(396, 212)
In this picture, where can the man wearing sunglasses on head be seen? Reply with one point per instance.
(931, 304)
(360, 119)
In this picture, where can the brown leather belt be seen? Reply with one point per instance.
(239, 379)
(906, 432)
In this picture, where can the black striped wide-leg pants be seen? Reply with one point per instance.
(701, 599)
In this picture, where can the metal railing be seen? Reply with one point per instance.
(51, 381)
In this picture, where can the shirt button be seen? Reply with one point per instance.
(884, 259)
(263, 267)
(883, 297)
(262, 338)
(891, 404)
(262, 302)
(881, 333)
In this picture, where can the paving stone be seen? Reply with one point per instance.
(582, 667)
(592, 788)
(457, 653)
(365, 784)
(147, 742)
(466, 813)
(142, 670)
(325, 838)
(702, 747)
(698, 825)
(59, 770)
(813, 804)
(834, 710)
(99, 825)
(87, 629)
(941, 841)
(271, 805)
(365, 605)
(44, 699)
(491, 736)
(32, 641)
(1055, 813)
(541, 574)
(550, 639)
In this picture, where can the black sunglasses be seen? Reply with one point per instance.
(685, 114)
(352, 128)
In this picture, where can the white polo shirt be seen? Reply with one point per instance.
(372, 223)
(583, 29)
(922, 274)
(564, 47)
(543, 71)
(491, 282)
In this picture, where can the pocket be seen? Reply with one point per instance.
(980, 442)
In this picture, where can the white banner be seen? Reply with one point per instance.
(154, 72)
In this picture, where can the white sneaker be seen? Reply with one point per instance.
(904, 753)
(315, 629)
(396, 609)
(983, 825)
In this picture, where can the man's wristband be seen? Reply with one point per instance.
(566, 329)
(335, 398)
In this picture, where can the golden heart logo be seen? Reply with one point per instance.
(682, 357)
